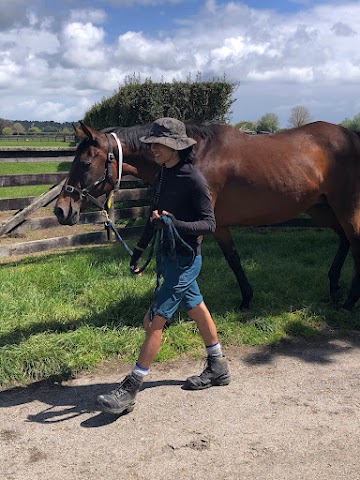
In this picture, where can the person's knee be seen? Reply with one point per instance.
(155, 326)
(198, 311)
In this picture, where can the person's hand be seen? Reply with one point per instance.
(134, 261)
(156, 220)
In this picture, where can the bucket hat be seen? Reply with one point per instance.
(170, 132)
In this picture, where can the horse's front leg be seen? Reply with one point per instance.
(224, 239)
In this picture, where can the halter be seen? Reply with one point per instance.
(85, 192)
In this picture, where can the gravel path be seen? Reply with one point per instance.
(290, 412)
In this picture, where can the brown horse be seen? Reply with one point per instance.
(253, 179)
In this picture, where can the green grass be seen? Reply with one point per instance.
(22, 168)
(34, 143)
(65, 312)
(33, 167)
(25, 191)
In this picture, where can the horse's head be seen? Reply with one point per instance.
(94, 172)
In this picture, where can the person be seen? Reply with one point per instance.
(182, 195)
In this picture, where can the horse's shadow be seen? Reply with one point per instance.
(66, 402)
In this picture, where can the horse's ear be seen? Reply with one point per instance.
(78, 131)
(88, 131)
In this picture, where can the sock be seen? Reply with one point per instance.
(139, 372)
(214, 350)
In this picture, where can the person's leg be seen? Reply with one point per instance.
(207, 328)
(123, 398)
(216, 372)
(152, 342)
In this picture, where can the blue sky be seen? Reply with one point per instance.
(57, 58)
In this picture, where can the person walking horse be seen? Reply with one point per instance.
(181, 199)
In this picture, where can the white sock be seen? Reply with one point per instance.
(214, 350)
(139, 372)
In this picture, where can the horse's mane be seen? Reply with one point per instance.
(131, 135)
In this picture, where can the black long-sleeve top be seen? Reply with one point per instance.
(185, 194)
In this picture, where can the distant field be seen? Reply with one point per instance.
(28, 168)
(34, 143)
(38, 167)
(25, 191)
(35, 140)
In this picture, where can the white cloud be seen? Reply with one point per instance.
(152, 3)
(14, 12)
(95, 15)
(58, 64)
(83, 45)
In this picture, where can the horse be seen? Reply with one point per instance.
(254, 180)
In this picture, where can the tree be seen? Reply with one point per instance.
(7, 131)
(4, 123)
(18, 128)
(139, 102)
(352, 123)
(34, 130)
(299, 116)
(246, 125)
(268, 123)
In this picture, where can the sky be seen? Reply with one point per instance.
(59, 57)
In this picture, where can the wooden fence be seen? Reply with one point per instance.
(21, 210)
(34, 137)
(24, 215)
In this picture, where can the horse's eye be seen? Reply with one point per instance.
(85, 165)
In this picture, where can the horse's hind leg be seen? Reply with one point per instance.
(354, 293)
(336, 266)
(223, 237)
(324, 216)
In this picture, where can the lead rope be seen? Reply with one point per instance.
(157, 243)
(154, 237)
(175, 241)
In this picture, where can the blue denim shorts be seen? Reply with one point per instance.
(179, 287)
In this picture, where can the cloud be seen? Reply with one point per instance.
(60, 62)
(13, 13)
(151, 3)
(83, 45)
(94, 15)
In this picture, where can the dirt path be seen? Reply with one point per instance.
(291, 412)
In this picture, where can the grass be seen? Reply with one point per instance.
(33, 167)
(22, 168)
(65, 312)
(21, 142)
(24, 191)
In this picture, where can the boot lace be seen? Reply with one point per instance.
(207, 370)
(126, 386)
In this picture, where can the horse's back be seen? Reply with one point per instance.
(265, 179)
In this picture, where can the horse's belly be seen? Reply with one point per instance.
(248, 206)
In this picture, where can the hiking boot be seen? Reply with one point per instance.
(122, 398)
(216, 373)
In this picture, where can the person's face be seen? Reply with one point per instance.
(162, 153)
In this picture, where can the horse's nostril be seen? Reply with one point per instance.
(59, 212)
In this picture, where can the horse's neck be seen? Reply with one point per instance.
(146, 167)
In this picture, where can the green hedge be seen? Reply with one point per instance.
(141, 103)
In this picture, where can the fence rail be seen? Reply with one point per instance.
(37, 137)
(27, 214)
(20, 222)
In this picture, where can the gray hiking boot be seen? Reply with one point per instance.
(216, 373)
(122, 398)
